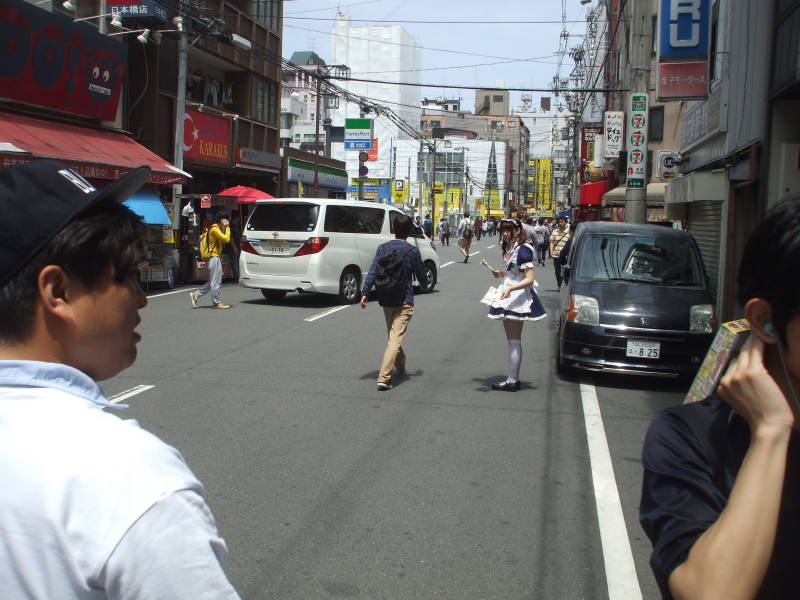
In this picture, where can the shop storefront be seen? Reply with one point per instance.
(300, 169)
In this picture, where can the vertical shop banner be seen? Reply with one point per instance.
(588, 135)
(613, 132)
(47, 60)
(206, 137)
(637, 142)
(683, 46)
(372, 153)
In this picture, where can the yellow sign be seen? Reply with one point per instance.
(541, 188)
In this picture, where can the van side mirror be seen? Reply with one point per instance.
(565, 272)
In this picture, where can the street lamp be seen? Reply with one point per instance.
(340, 71)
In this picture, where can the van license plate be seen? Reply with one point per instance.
(275, 247)
(643, 349)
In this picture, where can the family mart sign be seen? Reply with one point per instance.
(358, 134)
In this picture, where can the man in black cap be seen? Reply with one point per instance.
(90, 505)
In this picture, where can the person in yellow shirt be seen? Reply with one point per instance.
(218, 235)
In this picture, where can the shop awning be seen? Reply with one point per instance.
(591, 194)
(655, 195)
(94, 153)
(148, 206)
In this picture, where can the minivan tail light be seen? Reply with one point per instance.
(312, 246)
(247, 246)
(583, 310)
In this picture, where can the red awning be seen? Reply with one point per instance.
(592, 193)
(244, 194)
(93, 153)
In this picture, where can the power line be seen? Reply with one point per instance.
(433, 22)
(332, 7)
(469, 87)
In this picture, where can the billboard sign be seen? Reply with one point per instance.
(683, 30)
(682, 81)
(614, 132)
(358, 134)
(637, 142)
(52, 62)
(206, 137)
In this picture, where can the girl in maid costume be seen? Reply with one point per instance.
(517, 301)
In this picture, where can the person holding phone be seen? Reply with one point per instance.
(721, 488)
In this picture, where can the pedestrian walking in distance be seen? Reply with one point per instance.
(466, 231)
(558, 238)
(91, 506)
(518, 300)
(392, 268)
(218, 235)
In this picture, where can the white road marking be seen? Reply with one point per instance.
(474, 253)
(169, 293)
(447, 264)
(490, 247)
(623, 584)
(117, 398)
(328, 312)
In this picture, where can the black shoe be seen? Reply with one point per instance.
(506, 386)
(384, 386)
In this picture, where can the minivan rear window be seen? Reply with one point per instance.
(290, 216)
(662, 260)
(354, 219)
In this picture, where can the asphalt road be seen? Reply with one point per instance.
(326, 488)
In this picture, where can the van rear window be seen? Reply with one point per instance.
(295, 216)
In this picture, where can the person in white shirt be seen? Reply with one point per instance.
(91, 506)
(466, 231)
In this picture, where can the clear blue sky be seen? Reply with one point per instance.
(480, 44)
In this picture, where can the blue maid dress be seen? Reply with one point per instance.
(524, 304)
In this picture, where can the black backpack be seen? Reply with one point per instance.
(389, 281)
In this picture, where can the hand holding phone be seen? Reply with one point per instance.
(494, 271)
(753, 392)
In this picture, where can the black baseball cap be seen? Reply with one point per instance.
(39, 198)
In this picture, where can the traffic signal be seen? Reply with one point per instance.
(362, 168)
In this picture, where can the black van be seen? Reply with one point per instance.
(635, 300)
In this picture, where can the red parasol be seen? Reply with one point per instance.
(244, 194)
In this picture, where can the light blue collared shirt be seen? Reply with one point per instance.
(57, 376)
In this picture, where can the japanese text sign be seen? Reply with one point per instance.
(614, 131)
(637, 142)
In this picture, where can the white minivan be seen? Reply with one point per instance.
(319, 245)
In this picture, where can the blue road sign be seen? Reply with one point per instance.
(358, 144)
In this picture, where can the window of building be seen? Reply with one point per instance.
(497, 98)
(436, 123)
(266, 12)
(655, 131)
(286, 121)
(512, 124)
(497, 125)
(264, 100)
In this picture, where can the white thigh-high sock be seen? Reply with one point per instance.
(514, 360)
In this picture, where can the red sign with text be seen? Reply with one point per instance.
(50, 61)
(682, 81)
(206, 137)
(373, 154)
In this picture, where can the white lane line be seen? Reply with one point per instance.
(617, 554)
(169, 293)
(447, 264)
(117, 398)
(490, 247)
(474, 253)
(327, 312)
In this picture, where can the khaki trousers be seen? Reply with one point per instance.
(397, 318)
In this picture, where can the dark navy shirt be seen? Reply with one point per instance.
(687, 483)
(412, 265)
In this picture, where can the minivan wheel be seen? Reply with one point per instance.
(430, 271)
(274, 295)
(349, 286)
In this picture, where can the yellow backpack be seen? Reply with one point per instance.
(207, 246)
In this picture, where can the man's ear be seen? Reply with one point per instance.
(759, 314)
(55, 290)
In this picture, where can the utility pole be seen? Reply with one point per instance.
(433, 181)
(180, 115)
(636, 187)
(316, 134)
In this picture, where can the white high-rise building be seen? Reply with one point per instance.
(386, 53)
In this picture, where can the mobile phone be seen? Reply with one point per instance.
(487, 265)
